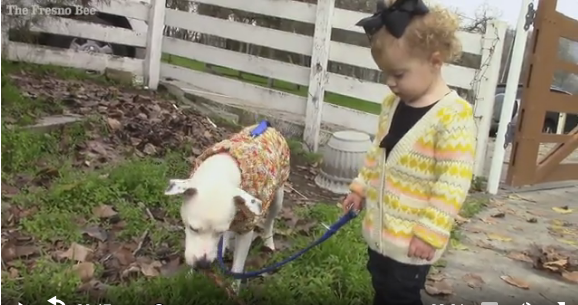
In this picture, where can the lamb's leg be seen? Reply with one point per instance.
(242, 247)
(274, 210)
(228, 241)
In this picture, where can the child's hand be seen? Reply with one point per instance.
(420, 249)
(352, 202)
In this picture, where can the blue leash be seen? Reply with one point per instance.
(246, 275)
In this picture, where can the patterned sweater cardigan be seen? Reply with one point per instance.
(419, 188)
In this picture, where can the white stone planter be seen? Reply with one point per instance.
(342, 159)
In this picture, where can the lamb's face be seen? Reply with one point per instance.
(207, 213)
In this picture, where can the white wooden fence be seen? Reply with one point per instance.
(316, 78)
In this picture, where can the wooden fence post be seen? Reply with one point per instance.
(152, 62)
(318, 74)
(492, 45)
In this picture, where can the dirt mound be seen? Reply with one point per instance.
(144, 123)
(124, 123)
(139, 122)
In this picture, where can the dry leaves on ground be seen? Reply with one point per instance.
(556, 260)
(473, 280)
(517, 282)
(436, 283)
(498, 237)
(138, 123)
(520, 256)
(562, 210)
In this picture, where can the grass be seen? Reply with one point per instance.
(330, 97)
(58, 207)
(58, 212)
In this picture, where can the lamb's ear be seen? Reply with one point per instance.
(251, 203)
(180, 186)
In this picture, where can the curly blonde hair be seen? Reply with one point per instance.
(425, 35)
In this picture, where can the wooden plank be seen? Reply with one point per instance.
(567, 66)
(269, 68)
(567, 26)
(318, 74)
(560, 102)
(256, 96)
(286, 9)
(305, 12)
(353, 87)
(346, 20)
(18, 51)
(552, 138)
(89, 30)
(337, 83)
(276, 39)
(261, 97)
(349, 118)
(127, 8)
(562, 172)
(154, 52)
(456, 76)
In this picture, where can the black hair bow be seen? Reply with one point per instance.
(394, 18)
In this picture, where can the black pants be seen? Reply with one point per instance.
(396, 283)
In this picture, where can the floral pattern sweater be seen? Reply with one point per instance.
(264, 164)
(419, 188)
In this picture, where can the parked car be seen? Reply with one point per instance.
(77, 43)
(550, 121)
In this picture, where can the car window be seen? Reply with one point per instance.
(499, 100)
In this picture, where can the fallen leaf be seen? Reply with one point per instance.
(442, 263)
(124, 256)
(532, 220)
(515, 282)
(114, 124)
(519, 256)
(485, 245)
(13, 273)
(76, 252)
(438, 288)
(171, 268)
(571, 276)
(84, 270)
(11, 252)
(151, 269)
(436, 277)
(497, 202)
(473, 280)
(535, 213)
(455, 244)
(94, 288)
(498, 215)
(461, 220)
(557, 265)
(499, 237)
(95, 232)
(569, 242)
(488, 221)
(104, 211)
(562, 210)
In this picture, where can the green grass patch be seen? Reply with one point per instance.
(330, 272)
(51, 205)
(330, 97)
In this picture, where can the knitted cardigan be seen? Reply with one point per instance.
(421, 185)
(264, 164)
